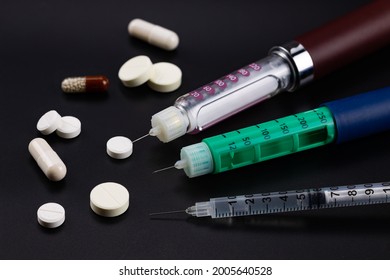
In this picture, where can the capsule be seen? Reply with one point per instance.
(47, 159)
(153, 34)
(85, 84)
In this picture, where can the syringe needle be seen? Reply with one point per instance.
(167, 212)
(142, 137)
(163, 169)
(180, 164)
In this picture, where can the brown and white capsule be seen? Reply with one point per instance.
(85, 84)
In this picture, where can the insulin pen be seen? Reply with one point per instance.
(337, 121)
(286, 201)
(286, 68)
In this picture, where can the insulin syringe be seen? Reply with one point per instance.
(337, 121)
(286, 68)
(286, 201)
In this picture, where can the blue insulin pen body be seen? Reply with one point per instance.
(333, 122)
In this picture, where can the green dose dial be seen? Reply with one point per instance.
(271, 139)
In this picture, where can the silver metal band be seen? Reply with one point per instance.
(299, 61)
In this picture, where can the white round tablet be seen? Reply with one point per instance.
(165, 77)
(109, 199)
(135, 71)
(70, 127)
(119, 147)
(49, 122)
(51, 215)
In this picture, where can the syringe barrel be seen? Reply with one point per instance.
(267, 203)
(298, 200)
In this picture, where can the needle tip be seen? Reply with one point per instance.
(140, 138)
(167, 212)
(163, 169)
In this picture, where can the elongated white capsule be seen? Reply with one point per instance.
(47, 159)
(153, 34)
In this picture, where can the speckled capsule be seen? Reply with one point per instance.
(85, 84)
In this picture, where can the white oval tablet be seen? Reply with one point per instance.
(165, 77)
(119, 147)
(49, 122)
(70, 127)
(51, 215)
(109, 199)
(135, 71)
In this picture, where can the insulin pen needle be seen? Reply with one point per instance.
(140, 138)
(153, 132)
(180, 164)
(163, 169)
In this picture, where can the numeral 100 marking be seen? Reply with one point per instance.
(265, 133)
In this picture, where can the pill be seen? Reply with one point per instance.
(70, 127)
(51, 215)
(109, 199)
(165, 77)
(49, 122)
(119, 147)
(85, 84)
(153, 34)
(135, 71)
(47, 159)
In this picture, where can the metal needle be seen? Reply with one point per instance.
(167, 212)
(142, 137)
(163, 169)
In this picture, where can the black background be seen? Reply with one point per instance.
(43, 42)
